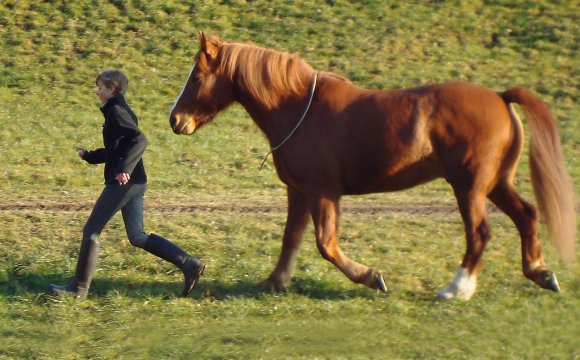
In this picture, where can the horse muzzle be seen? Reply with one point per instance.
(182, 124)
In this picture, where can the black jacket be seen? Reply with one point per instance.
(124, 143)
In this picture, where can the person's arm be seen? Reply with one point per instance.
(98, 156)
(133, 142)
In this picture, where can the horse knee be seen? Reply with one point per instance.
(484, 231)
(476, 243)
(479, 238)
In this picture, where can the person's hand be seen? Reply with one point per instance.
(123, 178)
(81, 151)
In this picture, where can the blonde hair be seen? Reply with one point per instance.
(114, 79)
(267, 74)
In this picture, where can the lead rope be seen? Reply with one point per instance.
(311, 96)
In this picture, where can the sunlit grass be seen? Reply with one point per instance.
(133, 310)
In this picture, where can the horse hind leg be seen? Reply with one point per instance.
(325, 214)
(477, 231)
(525, 217)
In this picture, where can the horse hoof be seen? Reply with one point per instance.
(444, 295)
(380, 282)
(552, 282)
(271, 285)
(265, 285)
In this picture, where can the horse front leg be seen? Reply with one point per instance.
(325, 214)
(296, 221)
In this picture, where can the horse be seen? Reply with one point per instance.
(330, 138)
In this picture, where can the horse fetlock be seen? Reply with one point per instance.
(373, 279)
(545, 278)
(462, 287)
(274, 283)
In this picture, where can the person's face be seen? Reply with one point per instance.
(104, 93)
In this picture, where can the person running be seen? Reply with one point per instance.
(125, 186)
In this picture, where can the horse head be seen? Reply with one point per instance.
(205, 93)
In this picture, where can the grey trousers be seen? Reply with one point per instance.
(128, 199)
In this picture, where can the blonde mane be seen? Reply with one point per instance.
(268, 75)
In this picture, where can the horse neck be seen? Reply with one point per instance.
(278, 122)
(257, 112)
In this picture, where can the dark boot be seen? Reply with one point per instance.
(191, 267)
(86, 265)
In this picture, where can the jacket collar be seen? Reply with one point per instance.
(118, 99)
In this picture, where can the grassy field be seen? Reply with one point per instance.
(50, 53)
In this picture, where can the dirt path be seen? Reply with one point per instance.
(240, 207)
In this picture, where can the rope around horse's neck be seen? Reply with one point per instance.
(310, 97)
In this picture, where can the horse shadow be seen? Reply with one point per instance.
(34, 285)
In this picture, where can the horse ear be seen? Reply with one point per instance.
(202, 39)
(209, 48)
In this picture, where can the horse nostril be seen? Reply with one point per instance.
(172, 121)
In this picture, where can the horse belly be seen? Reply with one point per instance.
(387, 180)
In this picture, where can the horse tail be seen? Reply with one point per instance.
(552, 185)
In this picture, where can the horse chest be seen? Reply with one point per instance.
(307, 170)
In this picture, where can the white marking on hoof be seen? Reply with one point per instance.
(462, 287)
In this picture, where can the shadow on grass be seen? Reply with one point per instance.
(27, 285)
(307, 287)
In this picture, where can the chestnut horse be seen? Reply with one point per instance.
(330, 138)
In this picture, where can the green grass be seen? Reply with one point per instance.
(50, 53)
(133, 311)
